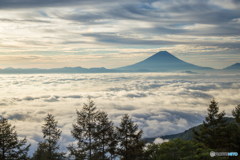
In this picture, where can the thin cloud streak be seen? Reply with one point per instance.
(66, 27)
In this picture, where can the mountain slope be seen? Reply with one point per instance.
(162, 61)
(235, 66)
(186, 135)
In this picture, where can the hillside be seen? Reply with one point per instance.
(186, 135)
(235, 66)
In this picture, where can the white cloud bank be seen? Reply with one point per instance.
(160, 103)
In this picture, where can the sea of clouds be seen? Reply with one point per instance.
(160, 103)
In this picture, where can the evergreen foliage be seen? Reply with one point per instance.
(235, 130)
(177, 149)
(130, 140)
(10, 147)
(98, 139)
(103, 136)
(236, 113)
(83, 131)
(48, 149)
(213, 129)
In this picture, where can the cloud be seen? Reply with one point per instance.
(160, 141)
(160, 103)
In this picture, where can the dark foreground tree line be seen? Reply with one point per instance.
(98, 139)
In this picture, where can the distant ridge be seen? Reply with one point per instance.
(11, 70)
(162, 61)
(235, 66)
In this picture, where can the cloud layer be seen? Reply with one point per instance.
(55, 33)
(160, 103)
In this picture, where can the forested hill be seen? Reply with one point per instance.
(186, 135)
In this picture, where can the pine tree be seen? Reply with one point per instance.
(131, 143)
(236, 113)
(83, 131)
(51, 134)
(103, 135)
(10, 146)
(213, 129)
(236, 136)
(113, 145)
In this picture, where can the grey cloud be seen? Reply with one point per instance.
(22, 21)
(115, 39)
(52, 99)
(136, 95)
(45, 96)
(41, 112)
(28, 98)
(169, 18)
(125, 107)
(17, 116)
(192, 117)
(88, 18)
(54, 3)
(37, 137)
(72, 96)
(205, 87)
(3, 104)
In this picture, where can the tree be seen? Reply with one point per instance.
(236, 113)
(83, 130)
(113, 145)
(103, 136)
(51, 134)
(213, 129)
(179, 149)
(10, 146)
(235, 137)
(131, 144)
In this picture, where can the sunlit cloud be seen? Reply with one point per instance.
(160, 103)
(63, 28)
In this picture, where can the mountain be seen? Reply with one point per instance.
(11, 70)
(186, 135)
(162, 61)
(235, 66)
(159, 62)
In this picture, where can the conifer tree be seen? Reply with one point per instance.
(10, 146)
(236, 113)
(213, 129)
(51, 134)
(131, 143)
(103, 136)
(113, 145)
(83, 131)
(236, 136)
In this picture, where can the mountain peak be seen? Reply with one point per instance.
(234, 66)
(163, 53)
(161, 61)
(163, 57)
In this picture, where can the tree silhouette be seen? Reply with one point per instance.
(103, 135)
(131, 143)
(236, 113)
(213, 129)
(10, 146)
(83, 131)
(51, 134)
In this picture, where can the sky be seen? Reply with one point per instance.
(110, 34)
(159, 103)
